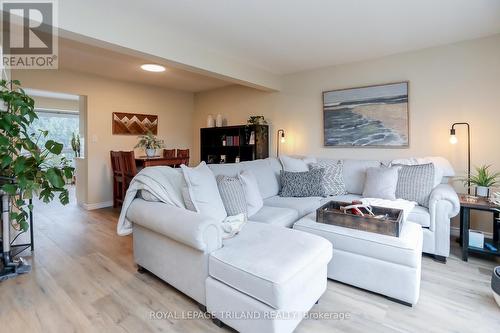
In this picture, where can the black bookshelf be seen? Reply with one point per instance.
(239, 142)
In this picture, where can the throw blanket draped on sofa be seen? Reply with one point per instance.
(162, 182)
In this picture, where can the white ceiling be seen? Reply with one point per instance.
(82, 57)
(286, 36)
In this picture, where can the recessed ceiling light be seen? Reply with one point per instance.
(153, 68)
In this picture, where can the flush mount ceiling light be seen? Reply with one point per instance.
(153, 68)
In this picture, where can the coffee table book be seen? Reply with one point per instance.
(330, 213)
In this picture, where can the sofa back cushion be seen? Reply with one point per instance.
(442, 168)
(228, 169)
(292, 164)
(266, 171)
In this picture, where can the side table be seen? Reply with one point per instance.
(467, 204)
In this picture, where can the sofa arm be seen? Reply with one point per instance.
(443, 205)
(447, 193)
(182, 225)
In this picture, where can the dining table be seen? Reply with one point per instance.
(146, 161)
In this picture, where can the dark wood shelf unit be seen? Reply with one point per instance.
(212, 147)
(480, 204)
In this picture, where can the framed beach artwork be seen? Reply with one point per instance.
(373, 116)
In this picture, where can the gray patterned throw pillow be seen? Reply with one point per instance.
(232, 195)
(302, 184)
(333, 177)
(415, 183)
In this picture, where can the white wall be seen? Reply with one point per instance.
(453, 83)
(105, 96)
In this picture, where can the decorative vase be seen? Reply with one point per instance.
(218, 120)
(150, 152)
(210, 121)
(482, 191)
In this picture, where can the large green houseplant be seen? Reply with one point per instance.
(26, 169)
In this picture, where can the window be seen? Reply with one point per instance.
(61, 126)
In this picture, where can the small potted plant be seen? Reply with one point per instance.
(256, 120)
(483, 180)
(150, 143)
(75, 144)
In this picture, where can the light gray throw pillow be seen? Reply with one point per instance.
(302, 184)
(333, 177)
(415, 183)
(232, 195)
(381, 183)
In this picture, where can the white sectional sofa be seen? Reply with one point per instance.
(435, 220)
(390, 266)
(268, 267)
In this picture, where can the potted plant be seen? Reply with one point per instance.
(26, 168)
(256, 120)
(75, 144)
(150, 143)
(483, 180)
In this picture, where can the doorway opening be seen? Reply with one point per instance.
(60, 115)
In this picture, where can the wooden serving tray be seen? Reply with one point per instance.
(330, 213)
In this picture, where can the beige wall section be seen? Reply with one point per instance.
(56, 103)
(104, 96)
(459, 82)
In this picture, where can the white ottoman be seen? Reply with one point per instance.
(382, 264)
(267, 278)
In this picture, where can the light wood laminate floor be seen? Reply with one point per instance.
(84, 280)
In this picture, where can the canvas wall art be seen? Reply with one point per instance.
(134, 123)
(374, 116)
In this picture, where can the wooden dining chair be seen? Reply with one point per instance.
(118, 178)
(124, 169)
(129, 166)
(169, 153)
(183, 154)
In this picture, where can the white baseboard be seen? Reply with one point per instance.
(454, 231)
(97, 205)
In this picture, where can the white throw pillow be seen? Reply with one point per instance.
(202, 192)
(251, 190)
(291, 164)
(333, 177)
(381, 183)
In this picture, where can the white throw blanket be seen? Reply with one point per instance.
(405, 205)
(164, 183)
